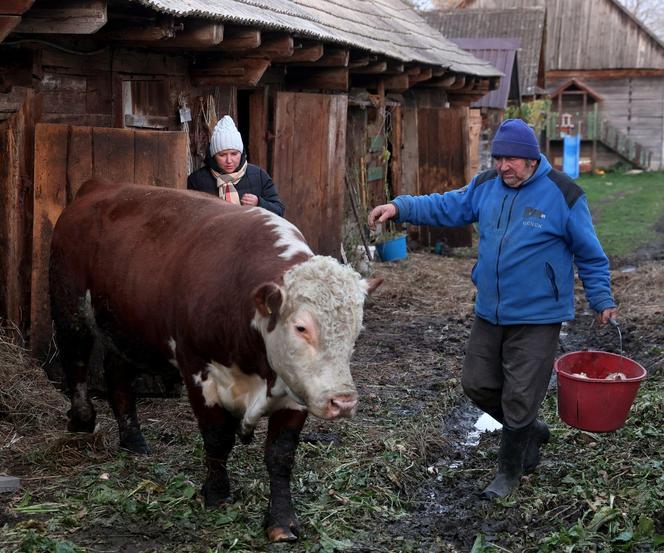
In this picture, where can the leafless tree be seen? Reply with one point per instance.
(426, 5)
(650, 12)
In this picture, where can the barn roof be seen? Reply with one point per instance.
(502, 54)
(388, 27)
(525, 24)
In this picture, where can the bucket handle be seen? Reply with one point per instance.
(615, 324)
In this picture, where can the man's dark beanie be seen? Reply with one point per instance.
(514, 138)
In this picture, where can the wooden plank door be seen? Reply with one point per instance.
(65, 157)
(309, 164)
(444, 164)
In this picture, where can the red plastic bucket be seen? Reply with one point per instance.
(592, 402)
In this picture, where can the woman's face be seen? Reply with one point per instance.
(228, 160)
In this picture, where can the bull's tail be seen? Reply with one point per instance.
(74, 338)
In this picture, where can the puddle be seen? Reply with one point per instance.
(627, 269)
(464, 430)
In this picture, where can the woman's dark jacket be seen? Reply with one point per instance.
(255, 181)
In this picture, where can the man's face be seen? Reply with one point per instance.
(514, 170)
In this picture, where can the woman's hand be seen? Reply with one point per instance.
(249, 199)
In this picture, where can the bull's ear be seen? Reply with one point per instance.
(268, 298)
(372, 284)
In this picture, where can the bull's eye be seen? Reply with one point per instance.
(300, 328)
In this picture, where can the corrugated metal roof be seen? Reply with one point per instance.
(501, 53)
(526, 24)
(388, 27)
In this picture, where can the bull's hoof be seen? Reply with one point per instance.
(246, 436)
(75, 424)
(136, 445)
(282, 527)
(215, 498)
(280, 534)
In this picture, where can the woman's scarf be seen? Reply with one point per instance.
(226, 183)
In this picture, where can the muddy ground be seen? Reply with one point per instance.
(413, 482)
(415, 339)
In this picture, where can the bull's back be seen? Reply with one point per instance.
(152, 256)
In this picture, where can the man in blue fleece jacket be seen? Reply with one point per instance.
(534, 226)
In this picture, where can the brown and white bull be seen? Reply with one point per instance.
(232, 296)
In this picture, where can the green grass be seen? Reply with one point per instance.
(625, 208)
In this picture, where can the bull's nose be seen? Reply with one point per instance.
(341, 406)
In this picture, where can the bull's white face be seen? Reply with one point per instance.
(311, 340)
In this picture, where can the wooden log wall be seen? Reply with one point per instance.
(70, 155)
(309, 164)
(444, 164)
(92, 90)
(634, 105)
(16, 207)
(589, 34)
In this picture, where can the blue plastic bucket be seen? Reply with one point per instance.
(392, 250)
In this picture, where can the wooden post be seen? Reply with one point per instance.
(258, 127)
(595, 131)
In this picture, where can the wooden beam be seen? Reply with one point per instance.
(76, 17)
(273, 45)
(15, 7)
(372, 69)
(397, 83)
(224, 72)
(422, 74)
(325, 78)
(441, 82)
(395, 67)
(438, 71)
(7, 24)
(239, 38)
(360, 62)
(120, 31)
(303, 53)
(463, 99)
(332, 57)
(197, 33)
(459, 82)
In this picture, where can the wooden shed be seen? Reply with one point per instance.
(325, 93)
(604, 48)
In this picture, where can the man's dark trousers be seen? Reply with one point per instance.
(507, 369)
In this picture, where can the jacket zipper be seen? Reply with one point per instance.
(500, 248)
(500, 217)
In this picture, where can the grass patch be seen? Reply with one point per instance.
(626, 209)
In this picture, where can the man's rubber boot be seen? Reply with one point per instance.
(513, 445)
(539, 436)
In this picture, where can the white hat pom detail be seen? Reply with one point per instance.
(225, 136)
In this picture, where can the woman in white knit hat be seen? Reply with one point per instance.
(228, 175)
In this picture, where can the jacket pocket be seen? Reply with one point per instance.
(551, 275)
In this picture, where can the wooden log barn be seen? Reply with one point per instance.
(330, 96)
(605, 76)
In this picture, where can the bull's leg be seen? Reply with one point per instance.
(218, 428)
(119, 376)
(75, 341)
(282, 438)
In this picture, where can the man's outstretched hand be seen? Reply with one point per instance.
(381, 213)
